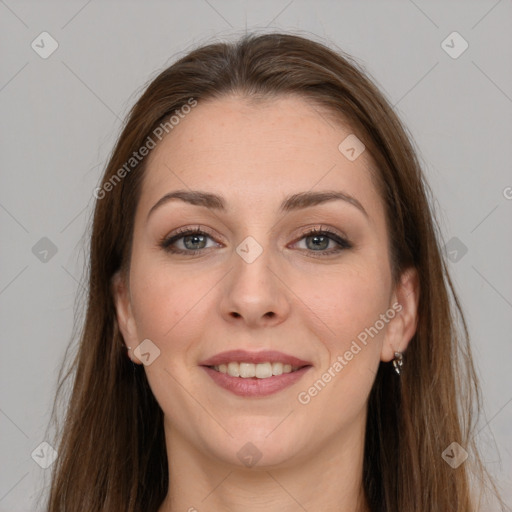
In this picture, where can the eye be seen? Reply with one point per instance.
(193, 241)
(188, 241)
(324, 241)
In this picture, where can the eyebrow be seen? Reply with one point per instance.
(290, 203)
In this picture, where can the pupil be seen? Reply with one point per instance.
(196, 239)
(324, 239)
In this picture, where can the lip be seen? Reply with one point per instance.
(254, 387)
(243, 356)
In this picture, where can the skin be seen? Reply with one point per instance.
(193, 307)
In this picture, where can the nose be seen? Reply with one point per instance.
(254, 292)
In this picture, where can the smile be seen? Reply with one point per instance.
(251, 370)
(254, 374)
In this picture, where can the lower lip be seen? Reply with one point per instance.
(254, 387)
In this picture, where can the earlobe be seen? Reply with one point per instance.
(402, 327)
(124, 314)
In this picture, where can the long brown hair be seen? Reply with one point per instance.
(111, 447)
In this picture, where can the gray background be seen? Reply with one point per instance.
(60, 117)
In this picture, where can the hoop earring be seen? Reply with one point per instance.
(398, 362)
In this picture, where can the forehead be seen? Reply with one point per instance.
(256, 153)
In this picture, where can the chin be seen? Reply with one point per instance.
(257, 447)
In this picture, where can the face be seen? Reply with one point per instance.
(254, 277)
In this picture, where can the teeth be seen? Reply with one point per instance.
(277, 368)
(234, 369)
(263, 370)
(247, 370)
(250, 370)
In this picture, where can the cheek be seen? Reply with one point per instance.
(343, 313)
(170, 309)
(167, 302)
(341, 305)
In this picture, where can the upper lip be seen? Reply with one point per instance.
(243, 356)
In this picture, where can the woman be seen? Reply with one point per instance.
(268, 323)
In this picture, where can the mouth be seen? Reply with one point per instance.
(255, 374)
(259, 371)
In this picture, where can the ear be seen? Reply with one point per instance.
(124, 314)
(402, 327)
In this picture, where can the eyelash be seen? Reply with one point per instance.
(166, 242)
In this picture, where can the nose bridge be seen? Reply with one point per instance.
(253, 290)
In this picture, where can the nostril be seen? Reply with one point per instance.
(269, 314)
